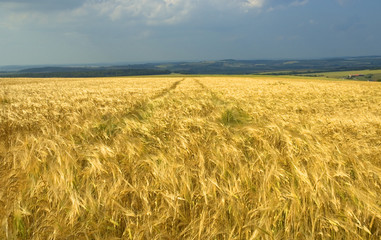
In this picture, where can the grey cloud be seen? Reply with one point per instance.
(299, 2)
(74, 31)
(350, 24)
(149, 12)
(292, 3)
(41, 5)
(342, 2)
(160, 11)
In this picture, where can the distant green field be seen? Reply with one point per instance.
(364, 75)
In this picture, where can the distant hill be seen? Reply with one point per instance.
(45, 72)
(227, 66)
(275, 66)
(56, 69)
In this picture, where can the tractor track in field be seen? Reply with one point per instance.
(212, 93)
(230, 109)
(167, 90)
(139, 111)
(160, 94)
(140, 106)
(201, 85)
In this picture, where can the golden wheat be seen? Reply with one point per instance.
(190, 158)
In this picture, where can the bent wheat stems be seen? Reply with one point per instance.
(190, 158)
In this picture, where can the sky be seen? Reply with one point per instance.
(34, 32)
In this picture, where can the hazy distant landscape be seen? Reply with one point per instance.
(273, 67)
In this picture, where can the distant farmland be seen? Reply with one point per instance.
(227, 66)
(190, 158)
(361, 75)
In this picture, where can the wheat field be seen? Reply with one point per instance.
(193, 157)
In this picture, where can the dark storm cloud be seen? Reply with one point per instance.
(77, 31)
